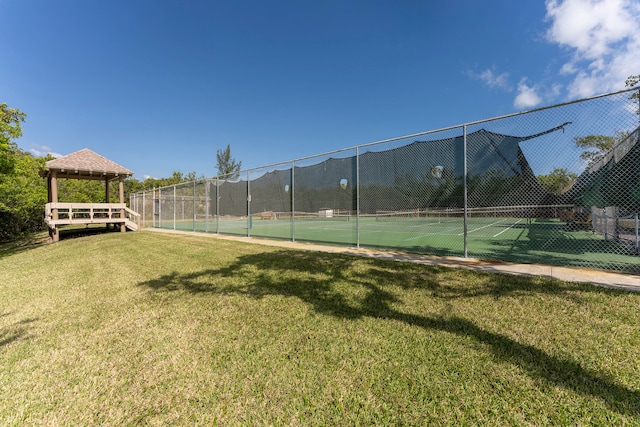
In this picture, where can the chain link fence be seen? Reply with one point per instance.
(558, 185)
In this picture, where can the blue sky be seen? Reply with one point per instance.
(158, 86)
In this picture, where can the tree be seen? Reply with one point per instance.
(176, 177)
(596, 146)
(10, 129)
(82, 191)
(227, 165)
(23, 193)
(558, 181)
(631, 82)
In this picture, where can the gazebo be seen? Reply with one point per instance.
(86, 164)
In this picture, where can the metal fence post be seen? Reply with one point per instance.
(144, 205)
(358, 197)
(249, 219)
(217, 205)
(635, 220)
(293, 201)
(174, 206)
(464, 178)
(207, 197)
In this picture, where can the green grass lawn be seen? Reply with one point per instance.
(152, 329)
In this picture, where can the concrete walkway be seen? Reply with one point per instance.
(600, 278)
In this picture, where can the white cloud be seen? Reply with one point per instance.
(42, 151)
(491, 79)
(527, 96)
(604, 39)
(555, 90)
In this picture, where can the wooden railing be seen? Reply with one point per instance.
(90, 213)
(133, 217)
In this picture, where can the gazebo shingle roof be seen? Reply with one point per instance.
(84, 164)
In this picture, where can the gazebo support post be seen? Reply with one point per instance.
(123, 227)
(106, 195)
(53, 190)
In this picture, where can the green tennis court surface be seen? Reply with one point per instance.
(526, 240)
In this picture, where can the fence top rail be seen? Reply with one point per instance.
(398, 138)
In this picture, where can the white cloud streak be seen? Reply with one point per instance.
(493, 80)
(604, 39)
(42, 151)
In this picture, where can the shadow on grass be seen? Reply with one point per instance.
(73, 232)
(37, 239)
(317, 280)
(14, 332)
(13, 247)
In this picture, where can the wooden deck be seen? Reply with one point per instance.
(91, 213)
